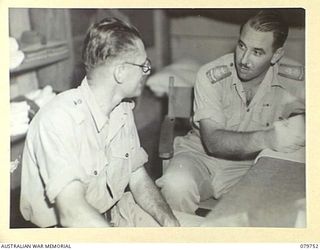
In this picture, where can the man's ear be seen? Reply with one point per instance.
(119, 73)
(277, 55)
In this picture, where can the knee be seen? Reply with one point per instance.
(179, 192)
(175, 185)
(181, 165)
(178, 186)
(179, 177)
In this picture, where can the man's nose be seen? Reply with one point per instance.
(245, 57)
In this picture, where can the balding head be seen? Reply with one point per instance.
(108, 40)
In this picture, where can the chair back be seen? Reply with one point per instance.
(180, 100)
(177, 121)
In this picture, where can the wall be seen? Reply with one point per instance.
(204, 39)
(53, 24)
(19, 21)
(81, 19)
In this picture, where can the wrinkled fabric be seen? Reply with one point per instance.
(70, 139)
(192, 175)
(127, 213)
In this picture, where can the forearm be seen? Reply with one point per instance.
(233, 145)
(147, 195)
(285, 136)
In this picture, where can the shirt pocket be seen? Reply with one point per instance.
(97, 193)
(262, 116)
(121, 150)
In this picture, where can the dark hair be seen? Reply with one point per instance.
(270, 20)
(108, 39)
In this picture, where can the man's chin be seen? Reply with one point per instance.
(244, 77)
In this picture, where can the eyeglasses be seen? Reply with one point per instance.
(145, 67)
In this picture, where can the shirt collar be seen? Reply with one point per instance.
(269, 81)
(275, 80)
(98, 117)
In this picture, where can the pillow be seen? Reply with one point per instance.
(184, 72)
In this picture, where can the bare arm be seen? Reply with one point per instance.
(284, 136)
(231, 145)
(75, 211)
(150, 199)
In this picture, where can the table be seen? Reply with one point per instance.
(271, 194)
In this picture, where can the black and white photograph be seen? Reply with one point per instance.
(157, 117)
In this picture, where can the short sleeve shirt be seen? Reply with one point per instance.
(224, 101)
(71, 139)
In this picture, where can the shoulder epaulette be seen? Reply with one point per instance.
(294, 72)
(218, 73)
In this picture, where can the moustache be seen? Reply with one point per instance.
(244, 66)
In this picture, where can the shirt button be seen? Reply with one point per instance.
(127, 155)
(248, 110)
(79, 101)
(267, 124)
(95, 172)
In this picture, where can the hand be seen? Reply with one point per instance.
(287, 135)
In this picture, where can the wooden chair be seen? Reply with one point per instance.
(178, 120)
(180, 103)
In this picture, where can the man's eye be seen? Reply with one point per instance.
(257, 53)
(241, 46)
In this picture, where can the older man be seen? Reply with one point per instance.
(245, 101)
(82, 149)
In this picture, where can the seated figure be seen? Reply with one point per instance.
(245, 101)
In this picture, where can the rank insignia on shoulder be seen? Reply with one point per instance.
(218, 73)
(294, 72)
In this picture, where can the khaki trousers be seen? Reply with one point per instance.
(127, 213)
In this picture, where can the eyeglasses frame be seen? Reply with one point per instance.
(145, 67)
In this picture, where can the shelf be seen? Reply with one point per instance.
(37, 63)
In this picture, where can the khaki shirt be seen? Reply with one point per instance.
(219, 96)
(71, 139)
(224, 101)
